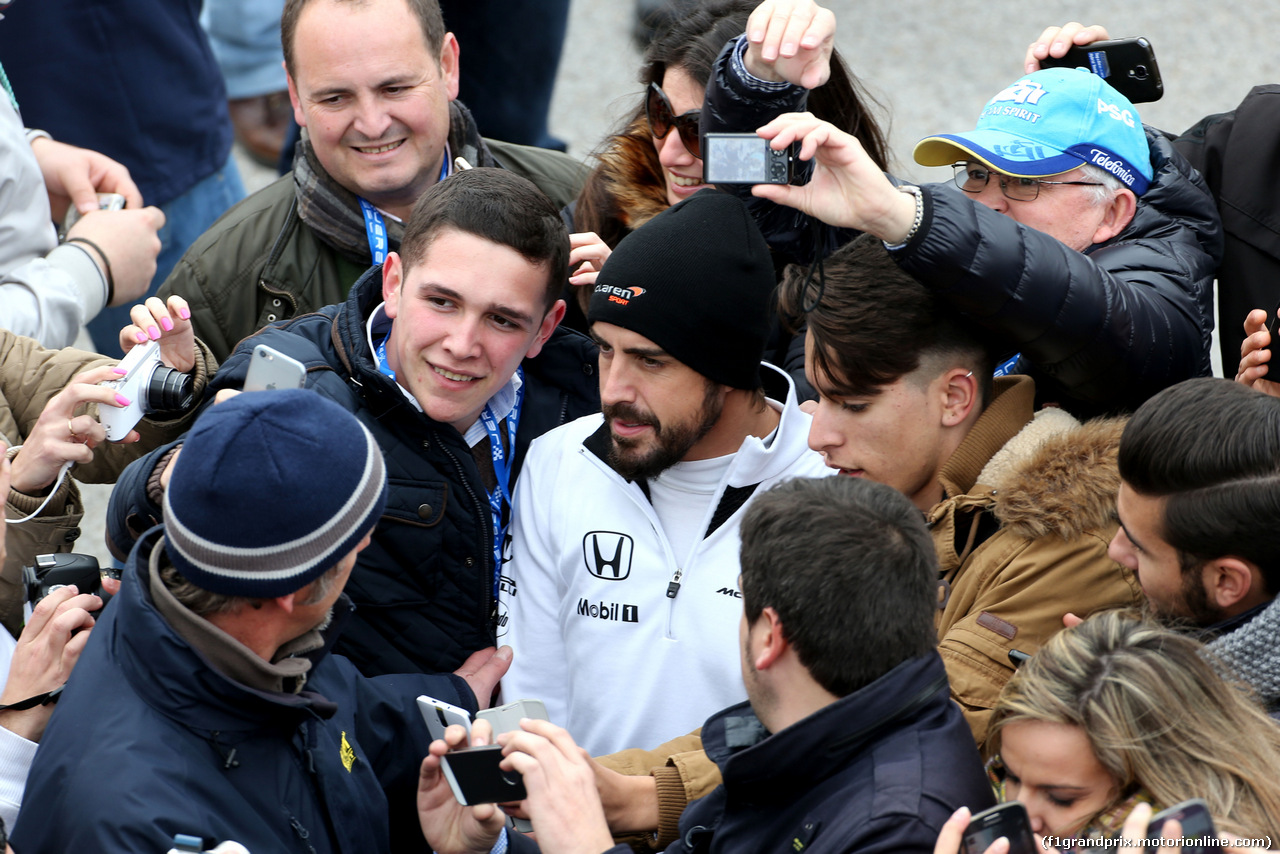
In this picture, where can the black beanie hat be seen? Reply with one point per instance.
(696, 280)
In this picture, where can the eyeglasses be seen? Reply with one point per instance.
(657, 109)
(973, 178)
(996, 775)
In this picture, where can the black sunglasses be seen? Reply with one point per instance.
(657, 109)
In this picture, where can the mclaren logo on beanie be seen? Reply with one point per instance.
(621, 296)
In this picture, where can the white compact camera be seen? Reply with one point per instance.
(150, 387)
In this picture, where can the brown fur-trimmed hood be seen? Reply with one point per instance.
(626, 189)
(1065, 485)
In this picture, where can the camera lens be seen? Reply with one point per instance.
(1140, 72)
(168, 390)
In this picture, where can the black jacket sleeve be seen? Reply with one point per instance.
(1104, 329)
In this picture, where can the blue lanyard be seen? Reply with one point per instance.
(501, 459)
(376, 231)
(1007, 367)
(502, 472)
(375, 228)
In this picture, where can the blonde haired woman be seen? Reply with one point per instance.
(1118, 711)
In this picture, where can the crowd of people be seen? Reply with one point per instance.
(818, 515)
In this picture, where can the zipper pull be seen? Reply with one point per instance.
(673, 587)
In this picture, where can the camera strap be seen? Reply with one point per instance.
(62, 472)
(502, 464)
(38, 700)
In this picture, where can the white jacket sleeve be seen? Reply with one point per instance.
(538, 670)
(47, 291)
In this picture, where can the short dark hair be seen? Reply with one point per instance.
(499, 206)
(874, 324)
(1211, 448)
(426, 11)
(833, 556)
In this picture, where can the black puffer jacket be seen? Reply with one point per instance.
(1101, 331)
(423, 589)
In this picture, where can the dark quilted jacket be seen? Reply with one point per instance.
(423, 589)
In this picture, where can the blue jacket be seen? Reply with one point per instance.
(136, 81)
(149, 740)
(423, 589)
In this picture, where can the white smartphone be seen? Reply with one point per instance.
(271, 369)
(506, 718)
(438, 714)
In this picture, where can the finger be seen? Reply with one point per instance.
(1065, 38)
(1070, 620)
(775, 30)
(455, 736)
(225, 394)
(1256, 320)
(110, 585)
(44, 611)
(79, 188)
(160, 313)
(179, 307)
(481, 732)
(117, 180)
(157, 217)
(1135, 824)
(143, 321)
(794, 32)
(952, 832)
(1171, 830)
(583, 238)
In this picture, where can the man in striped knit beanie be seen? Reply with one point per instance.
(208, 703)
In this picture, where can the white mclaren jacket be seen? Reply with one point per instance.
(626, 643)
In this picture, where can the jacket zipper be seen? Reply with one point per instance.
(486, 528)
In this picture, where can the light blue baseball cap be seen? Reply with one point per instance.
(1048, 123)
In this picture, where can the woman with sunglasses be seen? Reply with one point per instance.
(1119, 711)
(654, 161)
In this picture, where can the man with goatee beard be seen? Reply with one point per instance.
(623, 580)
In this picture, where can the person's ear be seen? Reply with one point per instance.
(392, 279)
(960, 396)
(1230, 581)
(299, 115)
(1119, 213)
(773, 642)
(449, 64)
(549, 323)
(287, 602)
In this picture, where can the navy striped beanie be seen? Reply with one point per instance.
(272, 488)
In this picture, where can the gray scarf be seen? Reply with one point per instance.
(1253, 653)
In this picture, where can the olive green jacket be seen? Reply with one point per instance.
(261, 263)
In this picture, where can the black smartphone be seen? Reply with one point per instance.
(1196, 823)
(475, 778)
(1007, 820)
(1273, 324)
(743, 158)
(1129, 65)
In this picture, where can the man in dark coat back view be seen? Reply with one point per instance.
(207, 703)
(849, 740)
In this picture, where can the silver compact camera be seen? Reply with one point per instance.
(150, 387)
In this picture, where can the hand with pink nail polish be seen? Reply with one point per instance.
(167, 322)
(60, 434)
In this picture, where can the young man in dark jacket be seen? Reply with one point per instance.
(434, 353)
(208, 703)
(849, 740)
(1084, 244)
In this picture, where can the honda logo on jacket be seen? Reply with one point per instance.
(608, 554)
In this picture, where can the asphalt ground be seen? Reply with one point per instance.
(931, 66)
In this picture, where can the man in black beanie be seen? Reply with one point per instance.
(623, 582)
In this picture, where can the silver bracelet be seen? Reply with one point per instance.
(913, 190)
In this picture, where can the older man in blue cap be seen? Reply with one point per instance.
(1085, 245)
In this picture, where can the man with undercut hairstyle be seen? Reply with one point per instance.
(1199, 513)
(374, 85)
(1020, 503)
(626, 525)
(847, 742)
